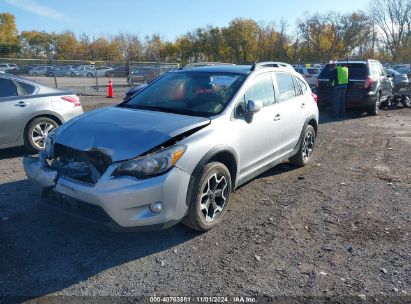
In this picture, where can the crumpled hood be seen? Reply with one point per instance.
(124, 133)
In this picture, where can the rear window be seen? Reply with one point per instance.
(355, 70)
(314, 71)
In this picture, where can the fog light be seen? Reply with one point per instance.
(156, 207)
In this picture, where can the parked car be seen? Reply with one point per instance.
(40, 70)
(402, 88)
(310, 74)
(60, 71)
(8, 67)
(29, 111)
(120, 71)
(368, 86)
(91, 72)
(178, 148)
(143, 75)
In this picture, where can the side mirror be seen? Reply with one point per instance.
(254, 106)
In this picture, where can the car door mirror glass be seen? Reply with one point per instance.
(254, 106)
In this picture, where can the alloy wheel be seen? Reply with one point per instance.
(214, 197)
(40, 132)
(308, 145)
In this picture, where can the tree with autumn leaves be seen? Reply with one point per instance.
(384, 32)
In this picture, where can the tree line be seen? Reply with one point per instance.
(382, 32)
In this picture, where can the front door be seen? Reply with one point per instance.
(259, 135)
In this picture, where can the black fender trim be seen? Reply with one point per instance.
(206, 159)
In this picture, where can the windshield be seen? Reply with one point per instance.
(190, 93)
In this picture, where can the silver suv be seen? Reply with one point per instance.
(178, 148)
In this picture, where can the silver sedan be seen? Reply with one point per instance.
(29, 111)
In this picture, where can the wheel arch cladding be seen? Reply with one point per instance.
(314, 124)
(229, 160)
(222, 154)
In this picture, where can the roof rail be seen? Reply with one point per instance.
(270, 64)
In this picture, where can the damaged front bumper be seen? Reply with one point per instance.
(122, 203)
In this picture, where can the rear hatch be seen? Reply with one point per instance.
(357, 73)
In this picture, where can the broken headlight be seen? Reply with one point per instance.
(151, 164)
(49, 144)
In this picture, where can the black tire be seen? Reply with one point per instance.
(89, 75)
(196, 217)
(302, 157)
(406, 102)
(374, 108)
(72, 74)
(28, 138)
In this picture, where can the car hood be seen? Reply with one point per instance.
(124, 133)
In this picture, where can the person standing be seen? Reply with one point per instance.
(339, 82)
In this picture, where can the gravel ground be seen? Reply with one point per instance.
(338, 227)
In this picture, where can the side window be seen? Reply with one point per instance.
(375, 71)
(285, 86)
(382, 71)
(7, 88)
(302, 86)
(27, 89)
(261, 90)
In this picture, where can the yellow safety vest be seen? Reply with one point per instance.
(342, 75)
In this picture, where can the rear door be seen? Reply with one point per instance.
(293, 106)
(15, 111)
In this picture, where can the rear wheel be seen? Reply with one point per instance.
(89, 75)
(406, 102)
(374, 108)
(37, 131)
(302, 157)
(209, 197)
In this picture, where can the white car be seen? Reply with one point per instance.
(42, 70)
(87, 71)
(310, 74)
(7, 66)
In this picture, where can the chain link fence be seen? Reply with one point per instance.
(86, 77)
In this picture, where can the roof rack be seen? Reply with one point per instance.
(270, 64)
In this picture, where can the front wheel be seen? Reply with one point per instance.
(37, 131)
(209, 197)
(302, 157)
(89, 75)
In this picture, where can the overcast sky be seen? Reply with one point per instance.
(170, 18)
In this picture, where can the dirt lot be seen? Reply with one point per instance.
(336, 228)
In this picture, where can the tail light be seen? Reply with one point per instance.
(368, 82)
(315, 97)
(72, 99)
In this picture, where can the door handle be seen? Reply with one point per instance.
(277, 117)
(303, 105)
(21, 104)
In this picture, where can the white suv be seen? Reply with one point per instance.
(177, 149)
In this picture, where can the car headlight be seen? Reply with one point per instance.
(151, 164)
